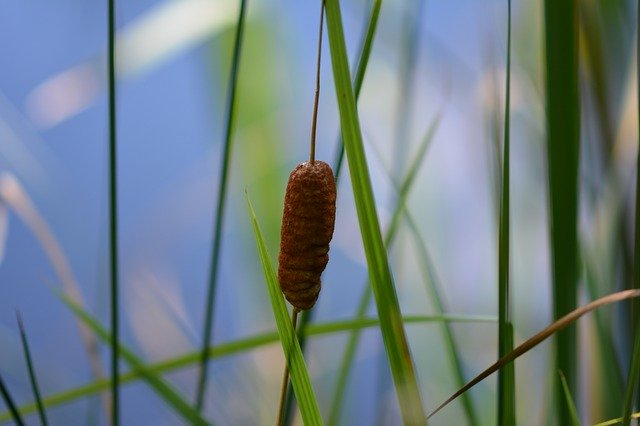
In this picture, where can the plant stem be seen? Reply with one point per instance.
(220, 208)
(314, 122)
(285, 377)
(634, 369)
(113, 216)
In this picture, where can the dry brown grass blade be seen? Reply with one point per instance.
(16, 198)
(539, 338)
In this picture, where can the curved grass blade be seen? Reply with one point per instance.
(575, 421)
(220, 209)
(114, 307)
(8, 400)
(238, 347)
(298, 371)
(393, 335)
(506, 377)
(563, 148)
(162, 388)
(32, 376)
(541, 336)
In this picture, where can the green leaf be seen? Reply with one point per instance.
(8, 400)
(365, 299)
(571, 405)
(159, 385)
(393, 335)
(32, 376)
(299, 375)
(506, 376)
(233, 348)
(220, 208)
(563, 149)
(634, 369)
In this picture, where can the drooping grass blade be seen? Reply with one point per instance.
(563, 147)
(220, 207)
(31, 369)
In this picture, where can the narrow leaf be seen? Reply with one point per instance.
(238, 347)
(31, 369)
(299, 375)
(162, 388)
(398, 353)
(571, 405)
(538, 338)
(220, 207)
(563, 146)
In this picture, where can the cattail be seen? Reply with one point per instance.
(307, 227)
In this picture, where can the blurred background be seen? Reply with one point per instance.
(433, 61)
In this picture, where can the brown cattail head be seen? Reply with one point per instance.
(307, 227)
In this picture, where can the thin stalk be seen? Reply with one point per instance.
(220, 209)
(113, 218)
(314, 121)
(634, 369)
(285, 376)
(506, 386)
(32, 376)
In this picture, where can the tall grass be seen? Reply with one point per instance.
(562, 32)
(634, 369)
(563, 147)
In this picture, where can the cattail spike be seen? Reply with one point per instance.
(307, 227)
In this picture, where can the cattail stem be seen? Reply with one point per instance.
(285, 377)
(314, 122)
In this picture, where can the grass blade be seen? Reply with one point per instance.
(32, 376)
(571, 406)
(237, 347)
(634, 369)
(299, 375)
(361, 69)
(365, 299)
(113, 217)
(220, 209)
(162, 388)
(540, 337)
(8, 400)
(398, 353)
(618, 420)
(506, 377)
(563, 147)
